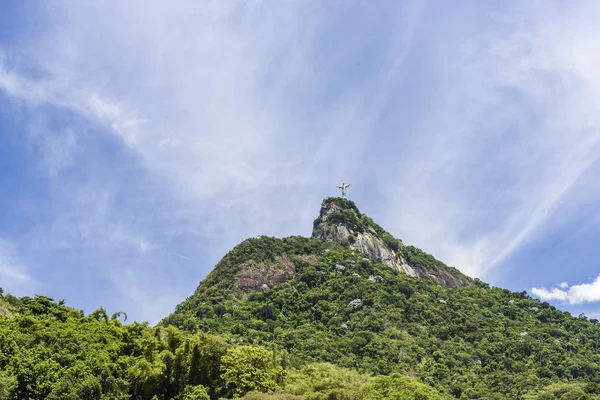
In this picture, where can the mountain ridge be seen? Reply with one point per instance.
(339, 225)
(261, 262)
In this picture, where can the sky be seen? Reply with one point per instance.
(142, 140)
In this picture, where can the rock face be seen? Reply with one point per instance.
(263, 275)
(4, 311)
(341, 221)
(378, 251)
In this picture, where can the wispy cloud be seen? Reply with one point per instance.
(211, 122)
(237, 117)
(576, 294)
(511, 128)
(228, 109)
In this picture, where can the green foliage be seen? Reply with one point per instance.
(60, 354)
(77, 382)
(197, 392)
(248, 368)
(271, 396)
(397, 386)
(342, 327)
(468, 342)
(392, 242)
(7, 385)
(324, 381)
(419, 258)
(566, 391)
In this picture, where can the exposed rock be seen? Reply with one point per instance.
(355, 303)
(4, 310)
(376, 250)
(331, 226)
(326, 230)
(254, 276)
(309, 258)
(376, 278)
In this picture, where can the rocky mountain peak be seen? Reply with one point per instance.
(338, 219)
(341, 221)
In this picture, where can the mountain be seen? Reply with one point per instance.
(259, 263)
(354, 296)
(350, 313)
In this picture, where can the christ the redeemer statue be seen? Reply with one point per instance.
(344, 186)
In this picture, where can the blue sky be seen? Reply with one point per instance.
(140, 141)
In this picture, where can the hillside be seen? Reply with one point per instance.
(355, 296)
(51, 351)
(350, 313)
(259, 263)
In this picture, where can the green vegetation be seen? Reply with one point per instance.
(467, 342)
(50, 351)
(328, 324)
(322, 381)
(248, 368)
(397, 386)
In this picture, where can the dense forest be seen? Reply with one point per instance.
(51, 351)
(308, 318)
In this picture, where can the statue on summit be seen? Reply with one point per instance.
(344, 186)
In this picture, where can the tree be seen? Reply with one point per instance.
(325, 381)
(118, 314)
(247, 368)
(197, 392)
(77, 383)
(397, 386)
(100, 314)
(7, 385)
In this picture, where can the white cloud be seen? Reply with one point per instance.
(245, 115)
(222, 106)
(550, 294)
(563, 285)
(509, 132)
(576, 294)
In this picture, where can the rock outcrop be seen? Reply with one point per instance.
(341, 221)
(375, 249)
(263, 275)
(4, 309)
